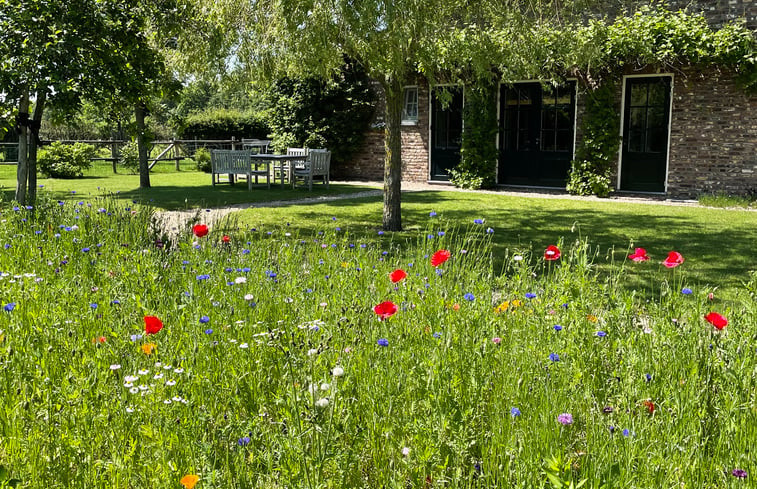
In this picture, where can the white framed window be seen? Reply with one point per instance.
(410, 106)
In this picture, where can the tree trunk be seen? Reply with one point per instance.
(39, 106)
(22, 170)
(393, 156)
(144, 169)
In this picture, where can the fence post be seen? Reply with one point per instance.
(195, 150)
(175, 153)
(233, 143)
(114, 153)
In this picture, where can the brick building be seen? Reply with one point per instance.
(684, 132)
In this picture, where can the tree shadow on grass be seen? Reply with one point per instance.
(718, 253)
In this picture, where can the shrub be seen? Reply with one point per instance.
(478, 163)
(65, 160)
(334, 115)
(130, 157)
(591, 171)
(224, 124)
(202, 160)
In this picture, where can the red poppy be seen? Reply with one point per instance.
(440, 257)
(397, 275)
(650, 406)
(99, 339)
(152, 324)
(385, 309)
(716, 320)
(673, 260)
(552, 253)
(225, 239)
(640, 254)
(200, 230)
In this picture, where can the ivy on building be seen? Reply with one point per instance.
(591, 170)
(478, 153)
(598, 54)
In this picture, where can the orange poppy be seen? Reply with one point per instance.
(148, 348)
(189, 480)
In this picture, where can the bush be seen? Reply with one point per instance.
(65, 160)
(334, 115)
(592, 169)
(130, 157)
(202, 160)
(478, 162)
(224, 124)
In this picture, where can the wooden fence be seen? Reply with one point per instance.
(175, 149)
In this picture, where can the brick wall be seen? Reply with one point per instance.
(713, 145)
(719, 12)
(368, 163)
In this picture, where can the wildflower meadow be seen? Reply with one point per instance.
(267, 358)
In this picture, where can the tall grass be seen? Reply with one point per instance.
(269, 370)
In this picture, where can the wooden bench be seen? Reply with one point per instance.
(234, 162)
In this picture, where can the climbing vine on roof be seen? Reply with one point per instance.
(658, 36)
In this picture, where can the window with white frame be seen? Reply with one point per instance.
(410, 106)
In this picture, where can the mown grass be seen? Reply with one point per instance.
(717, 244)
(270, 370)
(171, 190)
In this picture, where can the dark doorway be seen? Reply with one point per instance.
(536, 133)
(446, 132)
(646, 121)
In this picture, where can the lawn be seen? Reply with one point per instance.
(321, 354)
(717, 244)
(171, 190)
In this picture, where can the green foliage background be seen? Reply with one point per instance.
(591, 170)
(335, 114)
(65, 160)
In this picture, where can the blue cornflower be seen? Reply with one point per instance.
(437, 335)
(478, 221)
(626, 432)
(208, 331)
(135, 337)
(115, 302)
(440, 233)
(93, 305)
(648, 377)
(530, 295)
(203, 277)
(337, 229)
(383, 342)
(514, 412)
(204, 319)
(185, 262)
(687, 291)
(601, 334)
(244, 441)
(554, 357)
(430, 236)
(381, 233)
(557, 327)
(228, 269)
(432, 214)
(9, 306)
(469, 297)
(245, 269)
(270, 274)
(489, 231)
(333, 219)
(308, 291)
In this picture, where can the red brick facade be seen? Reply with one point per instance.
(368, 163)
(713, 138)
